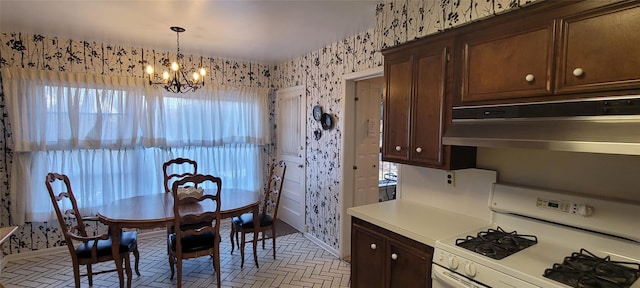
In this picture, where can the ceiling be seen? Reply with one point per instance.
(264, 31)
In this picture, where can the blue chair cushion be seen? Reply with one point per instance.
(245, 221)
(192, 243)
(127, 241)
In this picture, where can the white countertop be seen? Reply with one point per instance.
(417, 221)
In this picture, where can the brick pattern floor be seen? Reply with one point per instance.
(299, 263)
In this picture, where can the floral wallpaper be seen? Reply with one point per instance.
(404, 20)
(320, 71)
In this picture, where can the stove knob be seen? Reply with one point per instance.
(470, 270)
(585, 210)
(453, 263)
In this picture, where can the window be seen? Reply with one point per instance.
(387, 171)
(111, 135)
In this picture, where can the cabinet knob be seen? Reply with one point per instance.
(394, 256)
(398, 148)
(373, 246)
(418, 149)
(529, 78)
(578, 72)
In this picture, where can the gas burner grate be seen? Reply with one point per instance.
(585, 270)
(497, 243)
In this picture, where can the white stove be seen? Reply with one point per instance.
(560, 224)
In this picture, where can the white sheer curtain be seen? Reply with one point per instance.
(110, 135)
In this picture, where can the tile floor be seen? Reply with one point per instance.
(299, 263)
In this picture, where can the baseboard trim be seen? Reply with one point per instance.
(322, 245)
(48, 251)
(35, 253)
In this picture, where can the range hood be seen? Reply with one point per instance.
(598, 125)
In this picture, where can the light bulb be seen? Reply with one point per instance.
(174, 66)
(149, 70)
(165, 75)
(196, 76)
(203, 72)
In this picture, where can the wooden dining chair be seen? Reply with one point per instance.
(94, 249)
(192, 239)
(268, 212)
(178, 168)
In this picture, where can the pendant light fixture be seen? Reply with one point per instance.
(177, 80)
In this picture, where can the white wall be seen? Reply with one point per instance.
(469, 196)
(602, 175)
(611, 176)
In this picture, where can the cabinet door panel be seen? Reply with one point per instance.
(428, 110)
(397, 109)
(604, 44)
(507, 65)
(410, 268)
(367, 265)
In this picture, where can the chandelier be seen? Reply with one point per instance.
(177, 81)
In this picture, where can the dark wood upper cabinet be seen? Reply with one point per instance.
(599, 50)
(507, 61)
(551, 51)
(397, 107)
(548, 51)
(417, 107)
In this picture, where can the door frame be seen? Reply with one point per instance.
(347, 122)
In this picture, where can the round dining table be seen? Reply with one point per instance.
(156, 210)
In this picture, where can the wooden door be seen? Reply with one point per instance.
(367, 140)
(291, 147)
(398, 76)
(599, 50)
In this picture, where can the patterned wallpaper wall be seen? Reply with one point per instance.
(320, 71)
(52, 53)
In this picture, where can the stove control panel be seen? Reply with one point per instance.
(583, 210)
(472, 272)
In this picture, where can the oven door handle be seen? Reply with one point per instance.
(451, 279)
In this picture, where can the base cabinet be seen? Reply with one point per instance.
(381, 258)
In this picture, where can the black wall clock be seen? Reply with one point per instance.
(327, 121)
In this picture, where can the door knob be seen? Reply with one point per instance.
(300, 166)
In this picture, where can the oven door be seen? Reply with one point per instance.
(445, 278)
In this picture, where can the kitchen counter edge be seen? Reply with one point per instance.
(417, 221)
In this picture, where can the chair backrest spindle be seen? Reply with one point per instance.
(274, 188)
